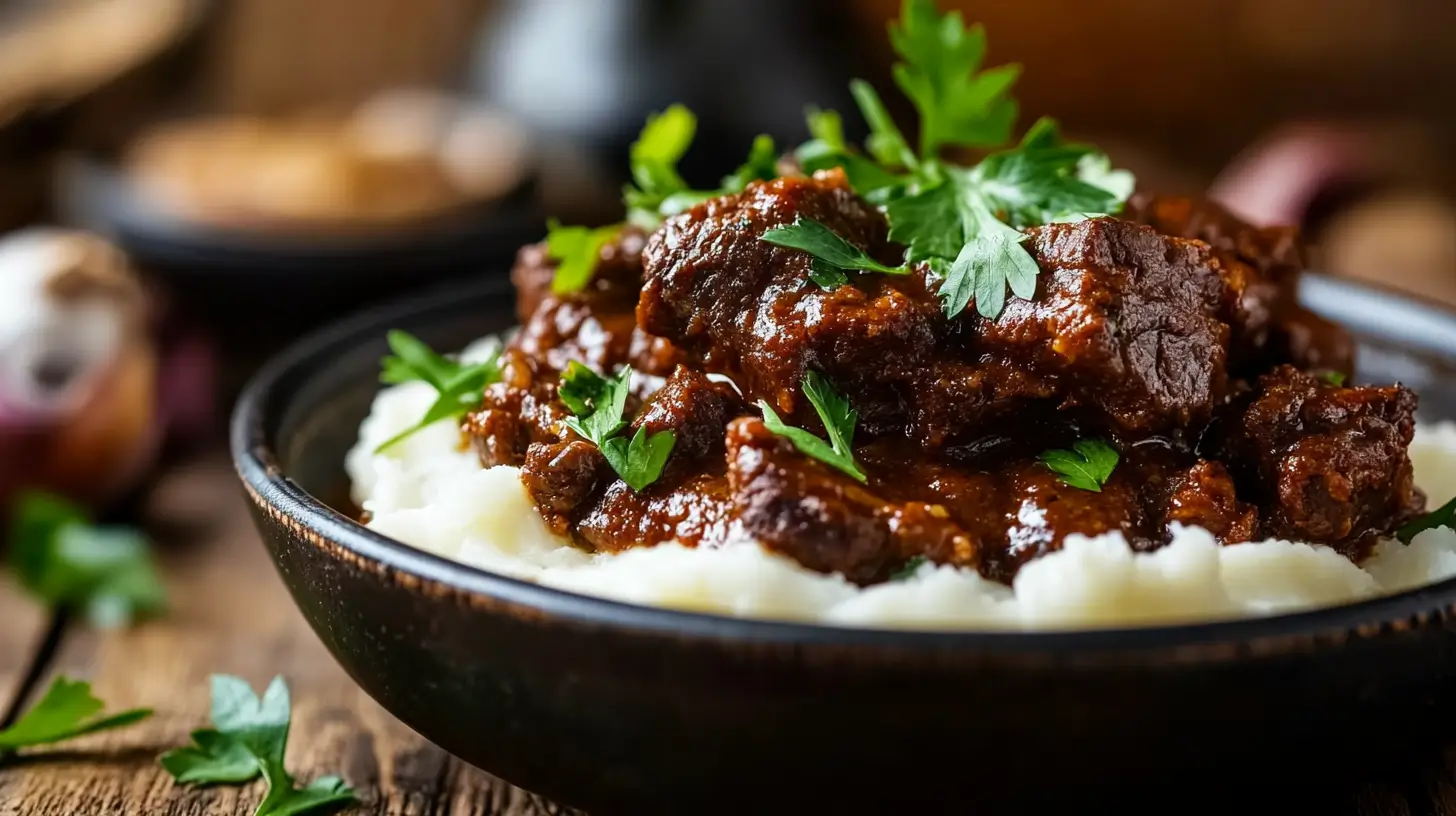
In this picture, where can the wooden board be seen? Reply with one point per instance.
(231, 614)
(23, 625)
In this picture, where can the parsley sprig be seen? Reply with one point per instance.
(1443, 516)
(64, 560)
(248, 739)
(1087, 466)
(839, 420)
(599, 404)
(657, 191)
(833, 255)
(458, 386)
(964, 223)
(67, 710)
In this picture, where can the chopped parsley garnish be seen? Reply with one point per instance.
(64, 560)
(833, 256)
(1335, 378)
(1087, 466)
(654, 156)
(576, 251)
(657, 191)
(459, 386)
(67, 710)
(599, 404)
(1443, 516)
(248, 739)
(838, 418)
(909, 568)
(959, 104)
(964, 223)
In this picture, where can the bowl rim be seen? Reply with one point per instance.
(258, 466)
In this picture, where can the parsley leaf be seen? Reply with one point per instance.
(827, 149)
(1335, 378)
(975, 217)
(907, 570)
(958, 103)
(599, 404)
(60, 557)
(838, 418)
(67, 710)
(640, 461)
(248, 739)
(576, 251)
(830, 251)
(886, 143)
(1087, 466)
(459, 386)
(654, 158)
(1443, 516)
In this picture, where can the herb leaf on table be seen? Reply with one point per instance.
(248, 739)
(64, 560)
(68, 709)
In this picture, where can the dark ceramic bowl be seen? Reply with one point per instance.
(631, 709)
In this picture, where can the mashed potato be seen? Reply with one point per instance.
(431, 492)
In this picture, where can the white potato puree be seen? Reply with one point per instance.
(431, 492)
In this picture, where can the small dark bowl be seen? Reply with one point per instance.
(632, 709)
(257, 289)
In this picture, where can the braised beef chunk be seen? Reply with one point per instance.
(826, 520)
(1125, 322)
(747, 307)
(596, 326)
(517, 411)
(614, 283)
(1270, 327)
(1325, 464)
(1150, 332)
(577, 491)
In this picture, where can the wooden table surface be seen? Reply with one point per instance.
(229, 613)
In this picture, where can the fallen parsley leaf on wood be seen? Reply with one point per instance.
(599, 404)
(833, 255)
(67, 710)
(458, 386)
(61, 558)
(1087, 466)
(248, 739)
(839, 421)
(1443, 516)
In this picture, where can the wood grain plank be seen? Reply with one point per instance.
(231, 614)
(23, 625)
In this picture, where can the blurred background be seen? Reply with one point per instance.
(266, 165)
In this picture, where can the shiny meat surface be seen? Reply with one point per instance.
(1270, 326)
(1327, 464)
(1165, 334)
(1126, 324)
